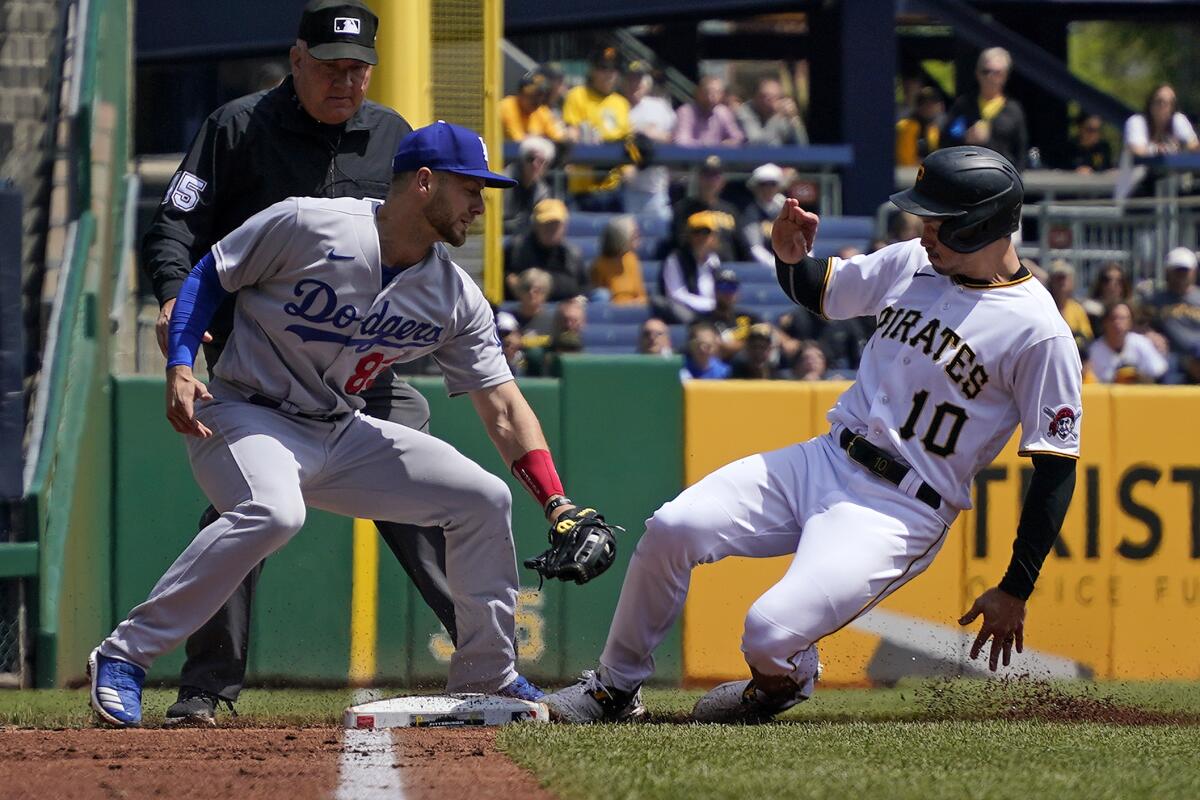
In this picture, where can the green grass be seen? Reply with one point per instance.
(885, 743)
(68, 708)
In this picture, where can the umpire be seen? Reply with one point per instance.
(312, 135)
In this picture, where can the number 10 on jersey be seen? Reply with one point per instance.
(938, 421)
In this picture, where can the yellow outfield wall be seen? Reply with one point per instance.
(1119, 597)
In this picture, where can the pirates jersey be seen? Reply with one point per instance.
(954, 366)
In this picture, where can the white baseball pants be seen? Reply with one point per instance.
(854, 537)
(261, 467)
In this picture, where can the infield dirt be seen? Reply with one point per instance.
(237, 762)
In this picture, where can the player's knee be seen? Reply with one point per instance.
(280, 519)
(670, 533)
(494, 495)
(770, 645)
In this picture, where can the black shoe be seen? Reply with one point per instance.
(194, 708)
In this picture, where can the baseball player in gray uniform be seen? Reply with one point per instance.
(967, 347)
(330, 293)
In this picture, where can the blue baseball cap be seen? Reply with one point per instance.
(448, 148)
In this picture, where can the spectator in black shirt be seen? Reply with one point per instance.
(545, 247)
(1090, 152)
(732, 322)
(987, 117)
(706, 196)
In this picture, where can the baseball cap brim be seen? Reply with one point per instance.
(491, 179)
(916, 203)
(332, 51)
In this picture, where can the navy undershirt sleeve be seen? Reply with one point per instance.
(199, 298)
(802, 282)
(1042, 516)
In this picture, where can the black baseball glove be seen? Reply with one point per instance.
(582, 546)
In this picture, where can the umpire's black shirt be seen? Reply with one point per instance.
(253, 152)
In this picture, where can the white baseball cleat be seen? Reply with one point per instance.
(742, 701)
(589, 700)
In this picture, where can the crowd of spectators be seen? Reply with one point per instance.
(1124, 333)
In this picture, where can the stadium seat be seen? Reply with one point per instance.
(751, 272)
(587, 223)
(678, 336)
(617, 314)
(827, 246)
(588, 247)
(847, 228)
(650, 271)
(609, 350)
(611, 334)
(649, 246)
(654, 226)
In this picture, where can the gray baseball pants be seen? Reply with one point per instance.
(262, 467)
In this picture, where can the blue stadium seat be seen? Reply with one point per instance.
(648, 248)
(588, 247)
(613, 313)
(751, 272)
(611, 334)
(760, 294)
(847, 228)
(654, 226)
(827, 246)
(678, 336)
(650, 271)
(609, 350)
(587, 223)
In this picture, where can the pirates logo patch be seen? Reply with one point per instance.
(1063, 422)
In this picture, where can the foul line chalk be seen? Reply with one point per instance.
(367, 769)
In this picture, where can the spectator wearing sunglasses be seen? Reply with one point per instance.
(988, 117)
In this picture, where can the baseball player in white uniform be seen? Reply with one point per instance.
(330, 293)
(967, 346)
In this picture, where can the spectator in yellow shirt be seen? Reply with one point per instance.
(917, 135)
(617, 271)
(526, 113)
(596, 113)
(1062, 289)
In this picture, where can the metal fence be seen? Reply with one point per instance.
(1136, 234)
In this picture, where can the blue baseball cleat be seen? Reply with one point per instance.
(116, 689)
(521, 689)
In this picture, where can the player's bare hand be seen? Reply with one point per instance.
(183, 390)
(794, 231)
(1003, 623)
(162, 328)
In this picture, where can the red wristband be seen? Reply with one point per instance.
(536, 471)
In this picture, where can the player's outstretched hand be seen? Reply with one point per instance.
(162, 328)
(794, 232)
(1003, 623)
(183, 390)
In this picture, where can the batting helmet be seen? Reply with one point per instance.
(976, 191)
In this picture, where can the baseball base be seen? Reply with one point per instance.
(444, 711)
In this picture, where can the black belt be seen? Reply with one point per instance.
(879, 462)
(271, 402)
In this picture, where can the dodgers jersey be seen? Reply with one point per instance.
(953, 367)
(314, 325)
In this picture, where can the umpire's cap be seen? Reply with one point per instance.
(975, 191)
(444, 147)
(335, 29)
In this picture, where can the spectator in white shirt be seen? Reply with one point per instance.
(1161, 127)
(688, 277)
(646, 191)
(1121, 355)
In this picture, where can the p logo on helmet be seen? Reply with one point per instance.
(976, 192)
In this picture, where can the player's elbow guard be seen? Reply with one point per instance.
(802, 282)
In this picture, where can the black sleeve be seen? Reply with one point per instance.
(803, 283)
(182, 229)
(1042, 515)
